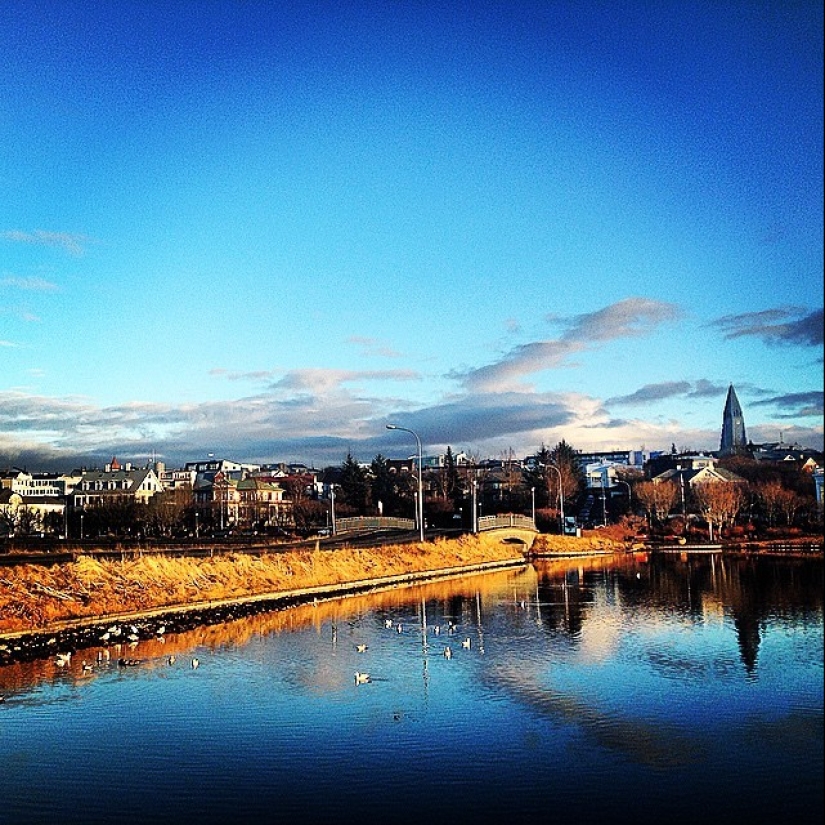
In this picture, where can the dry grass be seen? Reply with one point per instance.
(596, 541)
(32, 596)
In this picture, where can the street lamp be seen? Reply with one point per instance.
(561, 496)
(533, 494)
(604, 500)
(420, 506)
(332, 506)
(629, 493)
(475, 506)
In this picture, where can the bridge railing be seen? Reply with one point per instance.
(356, 523)
(505, 520)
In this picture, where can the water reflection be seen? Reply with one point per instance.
(645, 678)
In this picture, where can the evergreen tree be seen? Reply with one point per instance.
(452, 484)
(353, 486)
(383, 486)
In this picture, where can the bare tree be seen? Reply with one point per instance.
(789, 503)
(770, 495)
(719, 502)
(657, 498)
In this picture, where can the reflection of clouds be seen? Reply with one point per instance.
(600, 634)
(642, 741)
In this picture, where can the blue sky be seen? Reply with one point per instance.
(265, 230)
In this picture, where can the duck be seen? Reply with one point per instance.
(361, 678)
(128, 662)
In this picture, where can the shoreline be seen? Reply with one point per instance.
(76, 634)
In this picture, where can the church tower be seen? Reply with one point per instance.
(733, 441)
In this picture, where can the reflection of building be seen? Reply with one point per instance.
(733, 440)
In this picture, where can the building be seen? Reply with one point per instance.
(115, 484)
(734, 440)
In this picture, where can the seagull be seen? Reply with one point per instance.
(361, 648)
(170, 660)
(437, 629)
(399, 628)
(62, 659)
(87, 668)
(466, 643)
(388, 623)
(448, 653)
(195, 663)
(361, 678)
(161, 630)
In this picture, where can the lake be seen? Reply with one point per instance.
(661, 688)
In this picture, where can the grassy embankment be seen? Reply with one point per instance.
(34, 596)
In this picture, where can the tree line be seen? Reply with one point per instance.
(768, 496)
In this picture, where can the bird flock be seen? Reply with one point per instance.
(363, 677)
(117, 645)
(115, 642)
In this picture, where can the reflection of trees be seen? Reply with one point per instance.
(751, 590)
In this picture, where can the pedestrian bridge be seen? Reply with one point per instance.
(359, 524)
(512, 528)
(508, 526)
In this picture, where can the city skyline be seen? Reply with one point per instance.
(265, 233)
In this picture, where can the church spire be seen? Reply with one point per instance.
(734, 441)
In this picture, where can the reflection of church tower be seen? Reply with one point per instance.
(734, 441)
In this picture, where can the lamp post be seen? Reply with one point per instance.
(561, 496)
(475, 507)
(629, 493)
(533, 494)
(332, 506)
(604, 500)
(420, 506)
